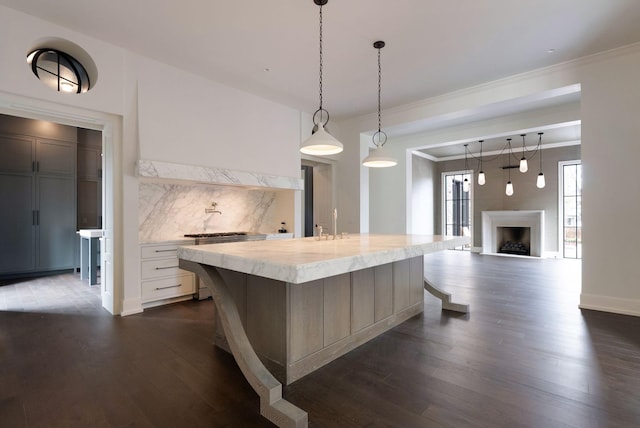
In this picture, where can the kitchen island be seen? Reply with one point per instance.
(287, 307)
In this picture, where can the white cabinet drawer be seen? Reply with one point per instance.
(158, 251)
(162, 267)
(165, 288)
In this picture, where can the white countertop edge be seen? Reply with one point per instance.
(310, 271)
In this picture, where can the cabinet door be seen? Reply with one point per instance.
(88, 204)
(57, 238)
(17, 154)
(56, 157)
(17, 230)
(89, 163)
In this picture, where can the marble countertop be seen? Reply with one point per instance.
(306, 259)
(90, 233)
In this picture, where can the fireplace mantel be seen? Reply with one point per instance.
(533, 219)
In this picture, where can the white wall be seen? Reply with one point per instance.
(388, 194)
(423, 204)
(20, 33)
(610, 150)
(186, 119)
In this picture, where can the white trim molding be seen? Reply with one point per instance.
(614, 305)
(533, 219)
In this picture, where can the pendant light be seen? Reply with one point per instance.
(524, 167)
(540, 181)
(321, 142)
(509, 189)
(481, 177)
(465, 183)
(380, 158)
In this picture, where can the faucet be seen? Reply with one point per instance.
(335, 223)
(213, 209)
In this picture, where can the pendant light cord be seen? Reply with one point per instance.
(320, 110)
(510, 153)
(382, 136)
(321, 63)
(379, 91)
(540, 149)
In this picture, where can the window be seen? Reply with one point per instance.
(570, 174)
(457, 207)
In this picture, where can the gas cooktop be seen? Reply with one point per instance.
(213, 235)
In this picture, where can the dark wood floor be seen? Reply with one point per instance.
(526, 356)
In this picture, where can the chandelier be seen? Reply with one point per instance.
(508, 152)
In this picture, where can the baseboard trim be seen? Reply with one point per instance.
(131, 307)
(610, 304)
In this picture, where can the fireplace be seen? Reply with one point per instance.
(514, 240)
(513, 232)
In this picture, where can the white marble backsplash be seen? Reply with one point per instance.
(168, 211)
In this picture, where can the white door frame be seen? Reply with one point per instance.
(111, 127)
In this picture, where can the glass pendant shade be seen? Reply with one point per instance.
(321, 143)
(540, 181)
(481, 178)
(524, 166)
(509, 189)
(379, 158)
(465, 185)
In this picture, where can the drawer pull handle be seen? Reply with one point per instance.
(166, 251)
(170, 286)
(166, 267)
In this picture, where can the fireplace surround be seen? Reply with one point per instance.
(494, 222)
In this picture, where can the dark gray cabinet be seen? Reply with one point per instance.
(89, 179)
(38, 193)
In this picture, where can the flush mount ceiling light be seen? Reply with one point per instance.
(380, 158)
(321, 142)
(59, 71)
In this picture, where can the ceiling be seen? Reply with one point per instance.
(555, 135)
(271, 48)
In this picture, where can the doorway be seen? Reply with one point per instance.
(110, 127)
(318, 197)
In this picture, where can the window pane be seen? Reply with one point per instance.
(579, 179)
(570, 212)
(569, 180)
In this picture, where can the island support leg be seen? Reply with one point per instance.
(272, 405)
(445, 298)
